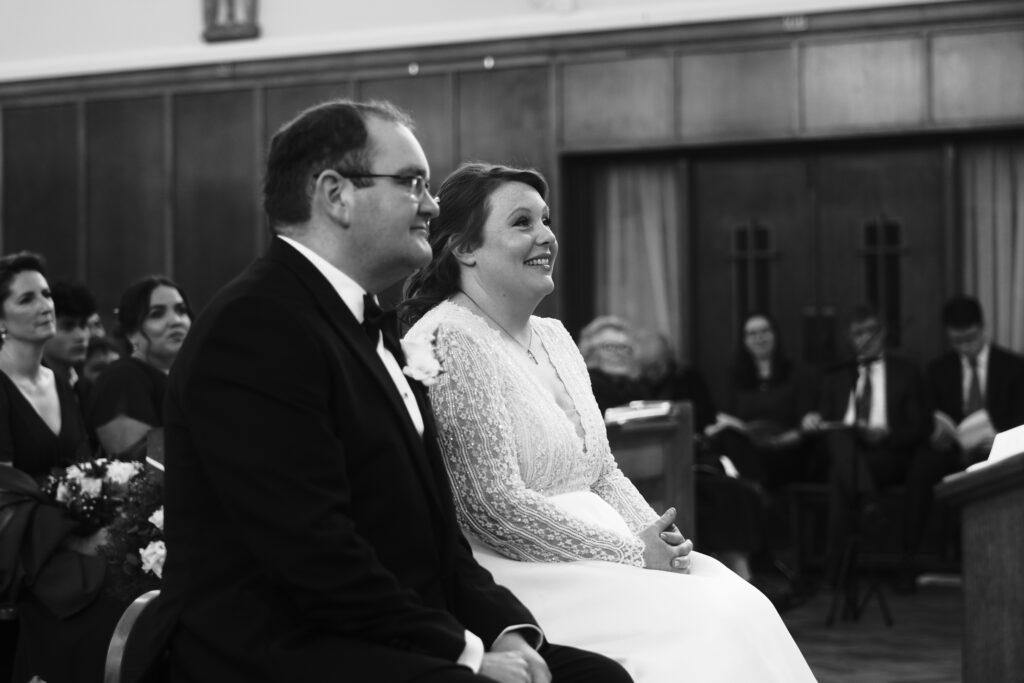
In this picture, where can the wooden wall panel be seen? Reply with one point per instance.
(622, 101)
(126, 193)
(283, 103)
(978, 76)
(218, 229)
(40, 185)
(737, 94)
(864, 84)
(428, 100)
(504, 117)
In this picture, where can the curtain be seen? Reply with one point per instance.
(639, 247)
(993, 222)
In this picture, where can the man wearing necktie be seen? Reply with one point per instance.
(974, 375)
(872, 417)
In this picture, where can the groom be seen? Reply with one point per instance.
(309, 522)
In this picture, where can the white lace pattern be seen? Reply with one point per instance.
(508, 445)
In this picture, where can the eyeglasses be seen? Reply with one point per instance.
(417, 184)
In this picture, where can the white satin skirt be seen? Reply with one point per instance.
(703, 627)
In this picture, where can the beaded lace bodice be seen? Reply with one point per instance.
(508, 446)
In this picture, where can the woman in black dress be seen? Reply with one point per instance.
(41, 430)
(769, 394)
(127, 401)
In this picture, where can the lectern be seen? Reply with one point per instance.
(992, 519)
(656, 453)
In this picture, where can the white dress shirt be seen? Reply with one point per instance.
(878, 417)
(965, 373)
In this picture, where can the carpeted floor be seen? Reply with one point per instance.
(922, 646)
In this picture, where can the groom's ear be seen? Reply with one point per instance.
(333, 194)
(466, 257)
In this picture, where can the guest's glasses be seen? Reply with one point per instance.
(417, 185)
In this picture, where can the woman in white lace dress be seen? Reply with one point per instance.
(536, 487)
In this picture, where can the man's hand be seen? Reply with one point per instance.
(811, 422)
(665, 548)
(512, 660)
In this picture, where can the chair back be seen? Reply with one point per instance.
(128, 657)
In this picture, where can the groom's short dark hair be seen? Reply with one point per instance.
(331, 134)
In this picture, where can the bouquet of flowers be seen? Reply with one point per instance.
(93, 492)
(124, 499)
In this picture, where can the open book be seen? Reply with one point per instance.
(637, 410)
(974, 430)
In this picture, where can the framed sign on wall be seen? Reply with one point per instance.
(230, 19)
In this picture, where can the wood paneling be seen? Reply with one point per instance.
(284, 103)
(978, 76)
(621, 101)
(126, 193)
(504, 117)
(737, 94)
(864, 84)
(40, 185)
(217, 229)
(428, 100)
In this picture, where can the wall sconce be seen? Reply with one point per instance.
(230, 20)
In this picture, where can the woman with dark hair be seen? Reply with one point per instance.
(767, 397)
(47, 570)
(536, 487)
(127, 400)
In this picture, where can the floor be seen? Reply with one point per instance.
(922, 646)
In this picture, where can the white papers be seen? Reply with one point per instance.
(1005, 444)
(637, 410)
(973, 431)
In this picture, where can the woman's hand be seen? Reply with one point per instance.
(665, 548)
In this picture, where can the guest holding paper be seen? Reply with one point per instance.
(878, 398)
(768, 394)
(976, 389)
(127, 401)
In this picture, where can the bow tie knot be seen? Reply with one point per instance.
(376, 319)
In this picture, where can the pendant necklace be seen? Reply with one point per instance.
(525, 347)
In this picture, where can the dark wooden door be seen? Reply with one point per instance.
(806, 236)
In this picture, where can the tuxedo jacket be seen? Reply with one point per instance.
(907, 414)
(1004, 387)
(311, 531)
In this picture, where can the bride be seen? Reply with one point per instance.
(536, 487)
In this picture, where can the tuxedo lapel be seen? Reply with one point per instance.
(352, 335)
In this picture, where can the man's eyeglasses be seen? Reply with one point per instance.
(417, 184)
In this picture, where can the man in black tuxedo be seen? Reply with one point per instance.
(310, 527)
(876, 403)
(973, 375)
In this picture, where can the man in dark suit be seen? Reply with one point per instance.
(876, 404)
(310, 527)
(974, 375)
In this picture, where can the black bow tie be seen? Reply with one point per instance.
(375, 320)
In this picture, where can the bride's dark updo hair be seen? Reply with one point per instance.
(465, 206)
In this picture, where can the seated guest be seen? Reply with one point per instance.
(65, 352)
(768, 394)
(608, 349)
(878, 403)
(63, 629)
(536, 487)
(976, 379)
(127, 401)
(101, 353)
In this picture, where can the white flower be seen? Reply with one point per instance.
(153, 557)
(75, 474)
(421, 363)
(157, 518)
(122, 472)
(62, 495)
(91, 487)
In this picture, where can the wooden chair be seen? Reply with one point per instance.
(127, 660)
(657, 455)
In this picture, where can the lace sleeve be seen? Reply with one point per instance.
(473, 404)
(619, 492)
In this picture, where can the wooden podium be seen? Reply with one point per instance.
(657, 455)
(992, 518)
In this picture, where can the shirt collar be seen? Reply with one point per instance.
(347, 288)
(981, 358)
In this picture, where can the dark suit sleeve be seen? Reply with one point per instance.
(1005, 391)
(909, 418)
(255, 404)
